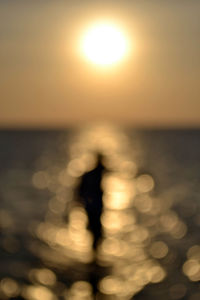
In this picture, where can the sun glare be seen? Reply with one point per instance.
(104, 44)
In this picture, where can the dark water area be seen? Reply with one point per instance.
(151, 243)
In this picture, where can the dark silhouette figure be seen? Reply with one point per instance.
(91, 193)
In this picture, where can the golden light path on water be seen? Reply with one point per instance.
(132, 219)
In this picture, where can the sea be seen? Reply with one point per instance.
(150, 243)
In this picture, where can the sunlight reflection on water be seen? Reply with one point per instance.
(125, 241)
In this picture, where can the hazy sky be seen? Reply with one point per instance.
(44, 80)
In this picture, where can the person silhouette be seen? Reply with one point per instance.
(90, 194)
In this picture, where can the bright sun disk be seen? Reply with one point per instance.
(104, 44)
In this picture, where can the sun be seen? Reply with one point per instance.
(104, 44)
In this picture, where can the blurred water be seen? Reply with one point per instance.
(150, 246)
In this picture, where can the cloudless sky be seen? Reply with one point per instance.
(45, 81)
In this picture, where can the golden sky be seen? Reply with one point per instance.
(46, 82)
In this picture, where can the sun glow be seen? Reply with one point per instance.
(104, 44)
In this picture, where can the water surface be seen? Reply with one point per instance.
(150, 247)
